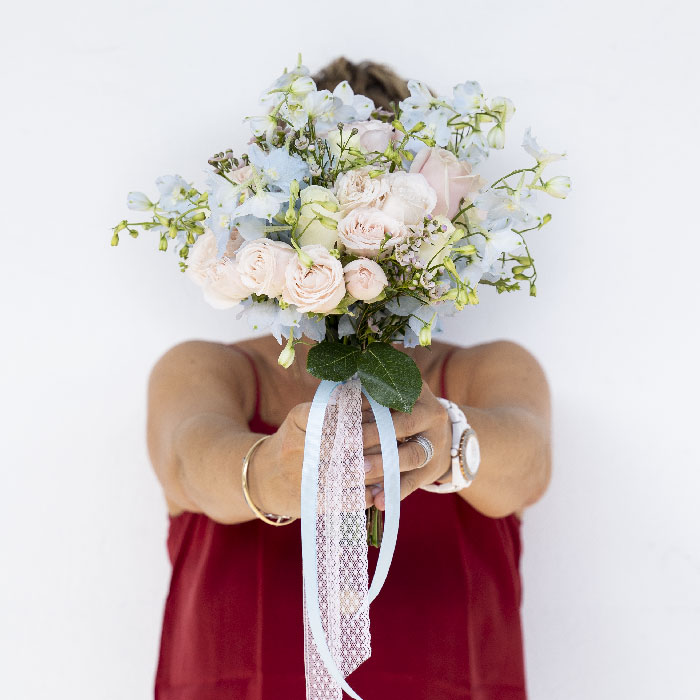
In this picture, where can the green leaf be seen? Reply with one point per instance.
(333, 361)
(390, 376)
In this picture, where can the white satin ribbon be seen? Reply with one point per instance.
(309, 505)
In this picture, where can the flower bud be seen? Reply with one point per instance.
(163, 245)
(559, 186)
(287, 355)
(425, 335)
(462, 297)
(496, 136)
(305, 259)
(115, 239)
(199, 216)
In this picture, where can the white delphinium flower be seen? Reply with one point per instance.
(541, 155)
(326, 110)
(361, 106)
(173, 193)
(421, 106)
(493, 244)
(504, 107)
(263, 126)
(468, 98)
(138, 201)
(473, 147)
(262, 205)
(508, 210)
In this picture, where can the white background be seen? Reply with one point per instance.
(100, 98)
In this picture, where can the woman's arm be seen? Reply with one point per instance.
(507, 403)
(201, 397)
(504, 394)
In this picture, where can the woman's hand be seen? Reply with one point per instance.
(428, 418)
(274, 473)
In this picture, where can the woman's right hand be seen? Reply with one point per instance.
(274, 472)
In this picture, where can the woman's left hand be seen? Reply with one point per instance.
(429, 418)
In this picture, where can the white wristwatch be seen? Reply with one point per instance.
(465, 452)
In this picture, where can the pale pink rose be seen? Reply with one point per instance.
(364, 230)
(364, 279)
(262, 263)
(356, 188)
(450, 178)
(372, 134)
(317, 289)
(240, 175)
(201, 257)
(224, 288)
(410, 197)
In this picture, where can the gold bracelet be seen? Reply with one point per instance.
(269, 518)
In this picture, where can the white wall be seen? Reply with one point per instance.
(101, 98)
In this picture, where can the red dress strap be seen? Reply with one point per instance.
(254, 370)
(443, 372)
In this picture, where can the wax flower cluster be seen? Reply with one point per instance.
(353, 224)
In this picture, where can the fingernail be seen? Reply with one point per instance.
(368, 465)
(375, 490)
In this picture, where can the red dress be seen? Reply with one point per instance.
(445, 626)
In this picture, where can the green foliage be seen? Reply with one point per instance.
(390, 376)
(333, 361)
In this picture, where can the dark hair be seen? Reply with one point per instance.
(373, 80)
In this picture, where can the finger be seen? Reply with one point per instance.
(410, 482)
(369, 496)
(426, 414)
(411, 456)
(423, 416)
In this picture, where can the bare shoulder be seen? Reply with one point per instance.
(497, 373)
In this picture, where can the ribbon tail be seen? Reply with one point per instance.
(392, 496)
(309, 504)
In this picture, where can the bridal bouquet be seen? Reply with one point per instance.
(354, 227)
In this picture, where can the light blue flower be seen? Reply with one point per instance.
(173, 193)
(313, 328)
(260, 315)
(138, 201)
(403, 305)
(345, 327)
(278, 167)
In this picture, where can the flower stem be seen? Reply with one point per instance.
(375, 526)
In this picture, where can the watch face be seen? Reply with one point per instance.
(471, 455)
